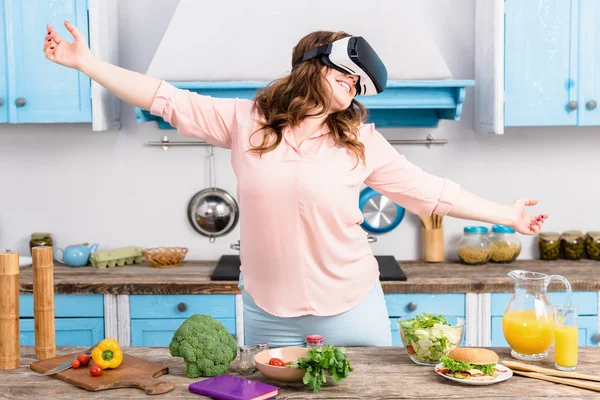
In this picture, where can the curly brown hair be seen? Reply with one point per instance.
(303, 93)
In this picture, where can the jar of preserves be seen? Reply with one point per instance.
(592, 245)
(572, 246)
(549, 245)
(40, 239)
(506, 245)
(475, 247)
(314, 341)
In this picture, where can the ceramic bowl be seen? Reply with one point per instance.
(282, 374)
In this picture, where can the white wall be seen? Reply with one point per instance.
(112, 189)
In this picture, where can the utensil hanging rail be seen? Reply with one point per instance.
(165, 143)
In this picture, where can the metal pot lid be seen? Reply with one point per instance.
(213, 212)
(381, 215)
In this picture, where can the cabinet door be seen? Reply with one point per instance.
(3, 63)
(540, 65)
(589, 62)
(159, 332)
(44, 91)
(69, 331)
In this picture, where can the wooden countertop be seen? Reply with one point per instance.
(379, 373)
(194, 277)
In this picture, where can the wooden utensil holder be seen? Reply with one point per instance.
(9, 310)
(43, 303)
(433, 245)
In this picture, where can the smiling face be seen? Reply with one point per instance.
(343, 89)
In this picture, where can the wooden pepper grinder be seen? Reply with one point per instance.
(43, 303)
(9, 310)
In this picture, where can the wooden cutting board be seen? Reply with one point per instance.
(134, 372)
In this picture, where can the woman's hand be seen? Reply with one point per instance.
(524, 223)
(72, 55)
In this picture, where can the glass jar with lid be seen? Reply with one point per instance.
(475, 247)
(40, 239)
(592, 245)
(314, 341)
(549, 245)
(571, 244)
(506, 245)
(246, 365)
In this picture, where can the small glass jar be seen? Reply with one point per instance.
(506, 245)
(592, 245)
(549, 245)
(262, 346)
(571, 244)
(40, 239)
(475, 247)
(246, 365)
(314, 341)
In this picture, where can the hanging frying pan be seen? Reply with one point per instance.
(213, 212)
(381, 215)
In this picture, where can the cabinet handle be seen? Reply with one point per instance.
(596, 338)
(20, 101)
(590, 105)
(1, 101)
(182, 307)
(572, 105)
(412, 306)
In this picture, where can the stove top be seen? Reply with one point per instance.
(228, 269)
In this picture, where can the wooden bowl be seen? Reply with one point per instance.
(165, 257)
(281, 374)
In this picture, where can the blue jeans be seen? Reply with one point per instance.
(367, 324)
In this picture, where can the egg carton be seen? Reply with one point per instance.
(117, 257)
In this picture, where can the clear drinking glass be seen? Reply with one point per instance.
(566, 336)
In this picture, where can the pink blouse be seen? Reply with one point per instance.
(302, 248)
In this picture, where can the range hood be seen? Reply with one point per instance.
(236, 48)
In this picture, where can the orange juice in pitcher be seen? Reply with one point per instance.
(528, 322)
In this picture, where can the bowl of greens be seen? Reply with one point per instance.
(429, 337)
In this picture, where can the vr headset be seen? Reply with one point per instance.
(352, 55)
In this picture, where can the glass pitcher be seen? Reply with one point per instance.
(527, 323)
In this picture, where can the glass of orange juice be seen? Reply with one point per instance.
(566, 335)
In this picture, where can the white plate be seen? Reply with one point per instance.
(499, 378)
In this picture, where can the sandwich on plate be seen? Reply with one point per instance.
(472, 364)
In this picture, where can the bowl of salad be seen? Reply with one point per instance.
(429, 337)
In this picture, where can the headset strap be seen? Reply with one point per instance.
(314, 53)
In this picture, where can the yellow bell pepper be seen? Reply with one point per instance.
(108, 354)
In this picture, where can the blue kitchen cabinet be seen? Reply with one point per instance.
(79, 319)
(38, 90)
(589, 63)
(587, 303)
(155, 318)
(551, 63)
(408, 305)
(3, 80)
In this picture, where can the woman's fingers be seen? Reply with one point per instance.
(74, 31)
(49, 54)
(53, 35)
(530, 202)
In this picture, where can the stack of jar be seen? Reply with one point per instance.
(477, 246)
(571, 245)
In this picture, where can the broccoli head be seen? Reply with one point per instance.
(205, 346)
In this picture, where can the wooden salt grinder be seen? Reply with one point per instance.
(43, 303)
(9, 310)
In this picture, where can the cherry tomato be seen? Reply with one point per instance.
(75, 364)
(410, 349)
(84, 359)
(276, 362)
(95, 370)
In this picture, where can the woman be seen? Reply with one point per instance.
(301, 152)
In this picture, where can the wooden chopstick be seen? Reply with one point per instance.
(570, 382)
(547, 371)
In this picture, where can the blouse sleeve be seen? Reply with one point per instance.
(213, 120)
(407, 185)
